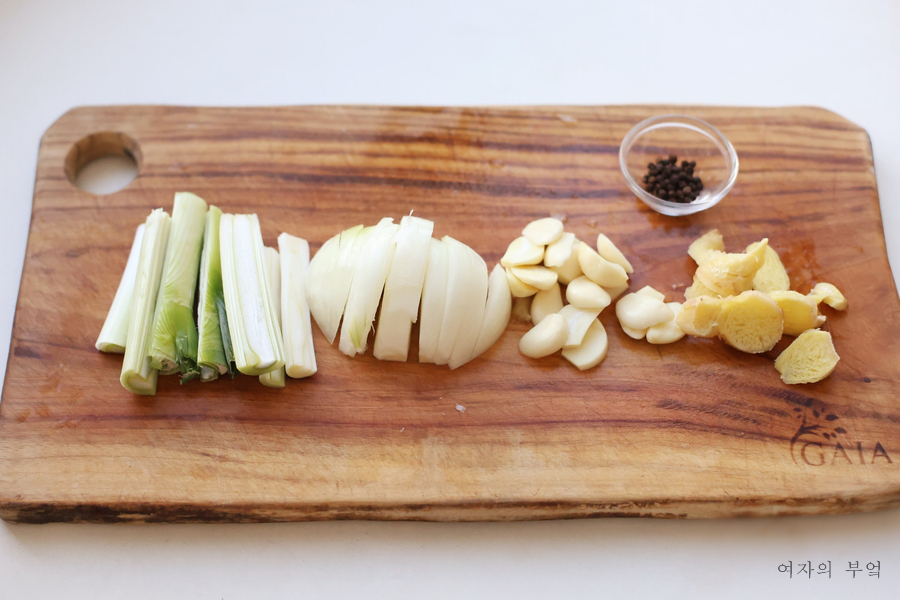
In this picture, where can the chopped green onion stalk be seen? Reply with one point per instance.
(252, 322)
(174, 344)
(114, 333)
(214, 355)
(274, 379)
(137, 375)
(296, 328)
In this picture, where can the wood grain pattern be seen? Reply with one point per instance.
(694, 429)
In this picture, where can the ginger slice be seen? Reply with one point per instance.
(809, 358)
(830, 295)
(699, 316)
(697, 289)
(729, 274)
(751, 322)
(800, 312)
(771, 275)
(705, 244)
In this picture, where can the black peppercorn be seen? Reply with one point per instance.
(667, 180)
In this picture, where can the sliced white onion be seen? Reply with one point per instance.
(329, 276)
(496, 312)
(473, 310)
(434, 297)
(463, 282)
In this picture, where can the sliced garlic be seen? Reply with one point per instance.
(709, 242)
(545, 338)
(771, 275)
(557, 253)
(830, 295)
(541, 278)
(666, 332)
(699, 316)
(615, 292)
(751, 322)
(810, 358)
(800, 311)
(592, 350)
(608, 250)
(543, 231)
(570, 269)
(522, 252)
(578, 319)
(598, 269)
(651, 293)
(546, 302)
(639, 311)
(517, 287)
(637, 334)
(584, 293)
(728, 274)
(521, 308)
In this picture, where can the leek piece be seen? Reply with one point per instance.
(252, 322)
(329, 275)
(474, 291)
(274, 379)
(173, 347)
(296, 328)
(403, 289)
(434, 297)
(214, 356)
(138, 376)
(369, 273)
(114, 332)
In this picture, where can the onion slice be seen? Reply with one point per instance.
(434, 298)
(329, 275)
(496, 313)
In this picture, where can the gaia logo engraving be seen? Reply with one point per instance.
(816, 441)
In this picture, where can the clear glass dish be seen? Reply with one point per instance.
(688, 139)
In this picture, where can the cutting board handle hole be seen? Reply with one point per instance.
(103, 163)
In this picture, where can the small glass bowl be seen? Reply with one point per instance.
(688, 139)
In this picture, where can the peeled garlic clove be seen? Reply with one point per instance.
(751, 322)
(771, 275)
(637, 334)
(545, 338)
(541, 278)
(545, 303)
(570, 269)
(543, 231)
(639, 311)
(709, 242)
(699, 316)
(668, 331)
(578, 319)
(598, 269)
(557, 253)
(651, 292)
(608, 250)
(697, 289)
(615, 292)
(830, 295)
(517, 287)
(522, 252)
(592, 350)
(810, 358)
(800, 311)
(584, 293)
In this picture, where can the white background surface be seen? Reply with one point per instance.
(842, 55)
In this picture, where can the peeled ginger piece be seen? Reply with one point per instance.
(708, 242)
(800, 312)
(728, 274)
(700, 316)
(697, 289)
(771, 276)
(830, 295)
(592, 350)
(809, 358)
(751, 322)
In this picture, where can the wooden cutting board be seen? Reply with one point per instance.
(693, 429)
